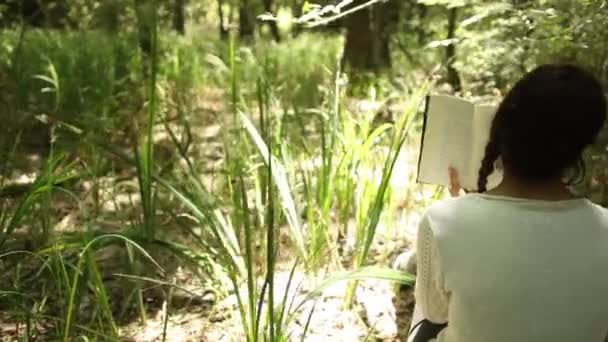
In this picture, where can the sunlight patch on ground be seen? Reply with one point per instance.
(374, 316)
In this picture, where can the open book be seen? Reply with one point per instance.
(455, 133)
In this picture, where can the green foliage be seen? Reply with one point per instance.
(85, 258)
(501, 41)
(83, 79)
(89, 74)
(296, 71)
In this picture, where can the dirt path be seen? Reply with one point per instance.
(378, 315)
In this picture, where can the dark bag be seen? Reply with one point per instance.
(426, 330)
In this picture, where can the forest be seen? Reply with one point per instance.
(241, 170)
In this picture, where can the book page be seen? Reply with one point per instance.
(447, 139)
(484, 114)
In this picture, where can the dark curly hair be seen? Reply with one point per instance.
(544, 123)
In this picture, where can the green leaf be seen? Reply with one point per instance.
(308, 7)
(370, 272)
(279, 175)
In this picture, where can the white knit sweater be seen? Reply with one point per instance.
(506, 269)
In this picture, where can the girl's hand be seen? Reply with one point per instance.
(455, 188)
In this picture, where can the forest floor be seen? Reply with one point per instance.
(381, 311)
(379, 314)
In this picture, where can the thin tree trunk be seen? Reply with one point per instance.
(384, 21)
(423, 11)
(450, 51)
(296, 10)
(111, 16)
(274, 28)
(143, 26)
(145, 21)
(179, 16)
(367, 40)
(232, 12)
(25, 12)
(246, 25)
(220, 12)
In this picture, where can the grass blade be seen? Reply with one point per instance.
(279, 176)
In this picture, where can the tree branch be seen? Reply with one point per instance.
(326, 21)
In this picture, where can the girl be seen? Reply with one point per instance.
(527, 260)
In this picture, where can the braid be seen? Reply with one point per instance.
(495, 143)
(487, 164)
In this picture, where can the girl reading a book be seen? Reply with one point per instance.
(526, 260)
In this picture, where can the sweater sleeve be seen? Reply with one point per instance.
(431, 295)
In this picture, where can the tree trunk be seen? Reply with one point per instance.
(32, 12)
(36, 13)
(296, 11)
(220, 12)
(108, 16)
(179, 16)
(367, 46)
(421, 30)
(145, 21)
(143, 27)
(246, 24)
(450, 51)
(274, 28)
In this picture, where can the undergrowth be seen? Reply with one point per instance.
(87, 240)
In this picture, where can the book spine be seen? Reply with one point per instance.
(427, 99)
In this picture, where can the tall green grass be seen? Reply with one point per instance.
(374, 199)
(294, 161)
(92, 71)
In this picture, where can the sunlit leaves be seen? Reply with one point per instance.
(485, 11)
(446, 3)
(443, 43)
